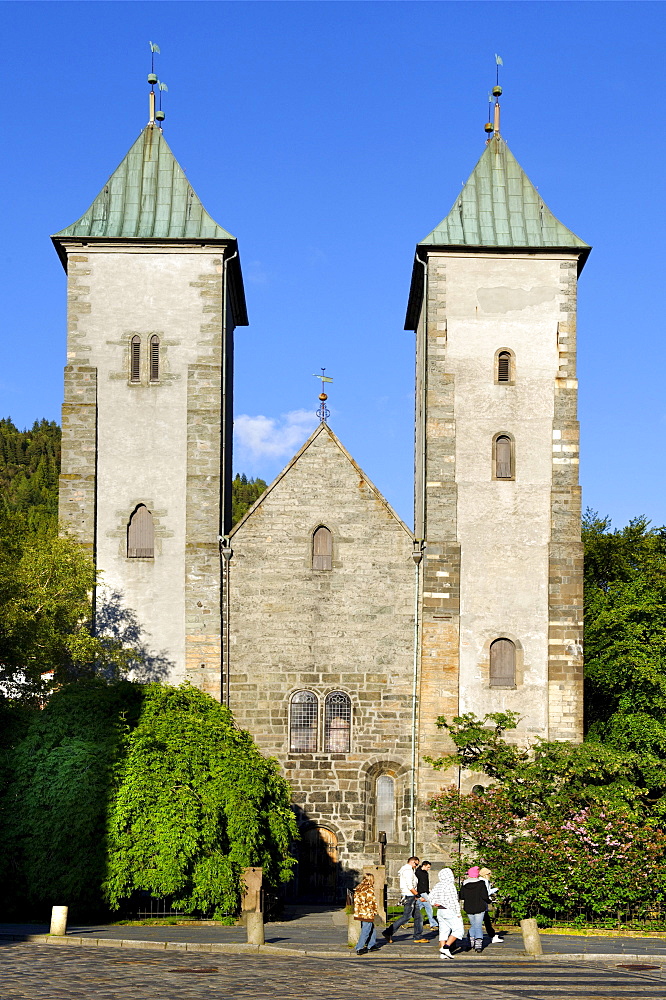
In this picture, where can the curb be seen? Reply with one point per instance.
(277, 950)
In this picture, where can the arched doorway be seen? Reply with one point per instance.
(318, 865)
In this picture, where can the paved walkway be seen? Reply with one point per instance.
(322, 932)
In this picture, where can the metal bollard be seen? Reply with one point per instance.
(255, 927)
(59, 920)
(531, 936)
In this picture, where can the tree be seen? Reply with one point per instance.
(244, 492)
(195, 803)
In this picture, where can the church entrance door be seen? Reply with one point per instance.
(318, 865)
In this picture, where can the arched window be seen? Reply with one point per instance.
(303, 722)
(154, 358)
(504, 366)
(502, 663)
(322, 549)
(385, 806)
(141, 534)
(503, 457)
(337, 723)
(135, 359)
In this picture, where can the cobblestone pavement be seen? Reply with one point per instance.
(30, 972)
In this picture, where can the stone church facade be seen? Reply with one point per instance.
(335, 633)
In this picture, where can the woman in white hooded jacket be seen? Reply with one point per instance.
(445, 897)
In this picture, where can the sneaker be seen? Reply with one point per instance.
(445, 953)
(375, 947)
(388, 934)
(362, 951)
(421, 941)
(478, 946)
(498, 939)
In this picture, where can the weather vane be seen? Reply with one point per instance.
(323, 413)
(494, 126)
(153, 81)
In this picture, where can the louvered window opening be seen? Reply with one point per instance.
(504, 367)
(503, 458)
(385, 807)
(502, 663)
(154, 359)
(135, 359)
(337, 723)
(141, 535)
(322, 549)
(303, 722)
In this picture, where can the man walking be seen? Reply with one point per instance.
(409, 892)
(423, 885)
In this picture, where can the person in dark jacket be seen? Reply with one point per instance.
(475, 899)
(423, 886)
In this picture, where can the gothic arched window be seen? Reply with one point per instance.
(141, 534)
(503, 457)
(303, 712)
(385, 806)
(154, 358)
(322, 549)
(135, 359)
(337, 723)
(502, 663)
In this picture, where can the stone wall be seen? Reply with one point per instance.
(349, 629)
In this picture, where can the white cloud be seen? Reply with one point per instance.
(271, 437)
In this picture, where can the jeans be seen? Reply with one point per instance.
(368, 936)
(476, 926)
(427, 906)
(410, 909)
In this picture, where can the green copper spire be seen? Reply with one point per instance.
(147, 197)
(500, 207)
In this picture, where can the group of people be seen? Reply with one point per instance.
(476, 894)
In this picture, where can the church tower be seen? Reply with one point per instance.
(493, 304)
(154, 292)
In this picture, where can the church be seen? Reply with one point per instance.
(334, 632)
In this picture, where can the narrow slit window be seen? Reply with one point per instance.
(141, 534)
(322, 549)
(503, 458)
(385, 808)
(502, 663)
(504, 367)
(135, 359)
(337, 723)
(154, 359)
(303, 722)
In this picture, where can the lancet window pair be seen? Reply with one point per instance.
(135, 373)
(304, 722)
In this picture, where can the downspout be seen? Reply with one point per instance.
(417, 551)
(225, 548)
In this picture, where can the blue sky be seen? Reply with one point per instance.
(329, 138)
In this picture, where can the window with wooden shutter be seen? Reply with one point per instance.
(303, 712)
(502, 663)
(154, 359)
(141, 534)
(322, 549)
(503, 458)
(337, 723)
(385, 806)
(135, 359)
(504, 366)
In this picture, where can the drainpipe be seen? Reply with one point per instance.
(223, 540)
(419, 546)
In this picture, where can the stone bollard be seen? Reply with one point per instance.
(353, 930)
(531, 937)
(59, 921)
(255, 927)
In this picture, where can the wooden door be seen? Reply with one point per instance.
(318, 865)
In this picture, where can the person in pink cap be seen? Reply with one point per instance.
(475, 899)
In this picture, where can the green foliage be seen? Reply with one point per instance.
(244, 492)
(195, 803)
(29, 469)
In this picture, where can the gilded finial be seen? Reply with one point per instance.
(493, 128)
(323, 412)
